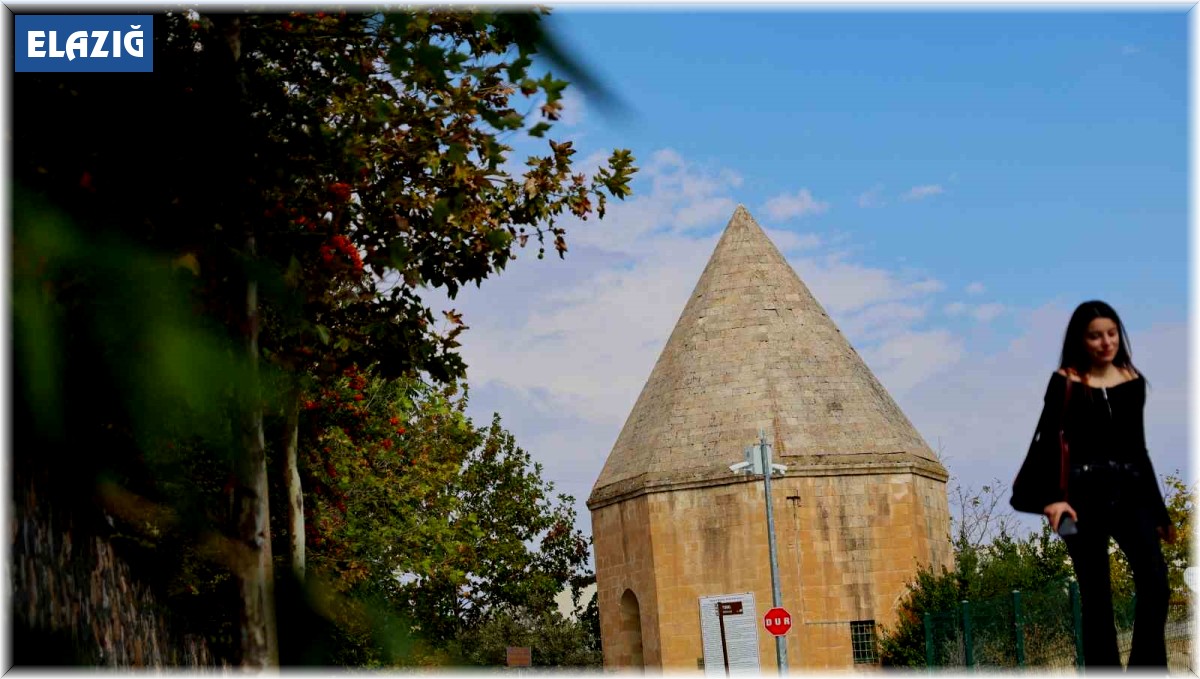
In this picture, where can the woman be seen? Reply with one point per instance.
(1094, 404)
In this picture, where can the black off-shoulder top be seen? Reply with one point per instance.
(1100, 425)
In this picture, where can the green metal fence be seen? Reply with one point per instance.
(1037, 629)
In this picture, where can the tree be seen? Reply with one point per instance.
(983, 515)
(390, 186)
(312, 172)
(416, 509)
(553, 639)
(519, 544)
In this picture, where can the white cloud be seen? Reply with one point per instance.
(592, 162)
(843, 286)
(924, 191)
(671, 195)
(790, 241)
(872, 197)
(880, 311)
(975, 288)
(787, 206)
(588, 343)
(881, 320)
(910, 358)
(927, 285)
(987, 312)
(1158, 352)
(1130, 49)
(980, 312)
(664, 158)
(704, 212)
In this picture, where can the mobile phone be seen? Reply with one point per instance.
(1066, 526)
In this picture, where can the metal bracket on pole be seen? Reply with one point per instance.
(758, 462)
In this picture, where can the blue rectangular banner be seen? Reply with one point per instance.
(84, 43)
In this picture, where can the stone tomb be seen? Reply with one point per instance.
(863, 503)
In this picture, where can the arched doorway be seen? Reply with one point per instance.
(631, 631)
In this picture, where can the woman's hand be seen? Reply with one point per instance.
(1168, 534)
(1054, 512)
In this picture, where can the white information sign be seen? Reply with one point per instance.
(740, 623)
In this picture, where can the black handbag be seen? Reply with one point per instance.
(1032, 487)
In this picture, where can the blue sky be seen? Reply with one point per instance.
(1052, 130)
(949, 185)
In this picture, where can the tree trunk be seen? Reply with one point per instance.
(256, 581)
(291, 482)
(259, 649)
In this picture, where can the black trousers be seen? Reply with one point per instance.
(1134, 530)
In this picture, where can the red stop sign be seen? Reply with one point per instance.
(778, 621)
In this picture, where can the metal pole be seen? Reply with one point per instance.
(929, 642)
(968, 640)
(1077, 618)
(776, 592)
(1018, 628)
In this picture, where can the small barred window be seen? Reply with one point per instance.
(862, 641)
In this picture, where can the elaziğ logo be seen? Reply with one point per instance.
(75, 43)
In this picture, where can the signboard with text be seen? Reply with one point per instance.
(729, 634)
(519, 656)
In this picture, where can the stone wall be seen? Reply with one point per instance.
(625, 563)
(847, 545)
(74, 601)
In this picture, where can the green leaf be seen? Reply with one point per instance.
(292, 275)
(499, 239)
(441, 210)
(456, 154)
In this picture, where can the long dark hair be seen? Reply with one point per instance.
(1074, 351)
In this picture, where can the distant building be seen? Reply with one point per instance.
(862, 504)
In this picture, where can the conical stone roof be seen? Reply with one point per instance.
(753, 348)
